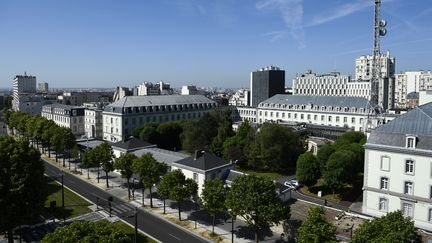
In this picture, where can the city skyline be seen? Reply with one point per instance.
(105, 44)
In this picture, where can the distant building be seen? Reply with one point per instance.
(66, 116)
(78, 98)
(148, 88)
(412, 100)
(43, 87)
(93, 124)
(189, 90)
(407, 82)
(265, 83)
(25, 98)
(240, 98)
(386, 86)
(398, 168)
(425, 96)
(121, 92)
(122, 116)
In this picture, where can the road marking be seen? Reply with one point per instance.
(174, 237)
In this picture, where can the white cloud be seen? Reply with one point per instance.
(292, 14)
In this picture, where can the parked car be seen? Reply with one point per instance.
(294, 184)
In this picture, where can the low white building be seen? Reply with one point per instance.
(398, 167)
(93, 124)
(240, 98)
(189, 90)
(122, 116)
(66, 116)
(345, 112)
(203, 166)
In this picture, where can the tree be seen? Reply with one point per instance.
(149, 133)
(22, 184)
(224, 131)
(89, 161)
(56, 140)
(150, 172)
(68, 141)
(47, 134)
(83, 231)
(324, 154)
(75, 155)
(315, 229)
(213, 197)
(124, 165)
(272, 143)
(308, 169)
(169, 135)
(198, 134)
(104, 155)
(352, 137)
(255, 199)
(176, 187)
(339, 169)
(234, 147)
(393, 227)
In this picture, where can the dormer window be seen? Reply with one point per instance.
(411, 142)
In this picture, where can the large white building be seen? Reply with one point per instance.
(66, 116)
(122, 116)
(398, 167)
(329, 111)
(93, 124)
(25, 98)
(407, 82)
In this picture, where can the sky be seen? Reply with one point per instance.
(215, 43)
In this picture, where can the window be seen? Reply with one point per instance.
(410, 142)
(409, 167)
(384, 183)
(322, 117)
(329, 118)
(430, 215)
(337, 119)
(301, 116)
(345, 119)
(408, 188)
(407, 209)
(383, 204)
(385, 163)
(195, 177)
(315, 117)
(353, 120)
(295, 115)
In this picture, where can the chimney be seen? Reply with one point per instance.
(196, 155)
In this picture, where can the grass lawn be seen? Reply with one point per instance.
(74, 204)
(270, 175)
(131, 232)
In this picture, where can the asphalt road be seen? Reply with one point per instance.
(152, 225)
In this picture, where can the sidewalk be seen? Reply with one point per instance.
(118, 188)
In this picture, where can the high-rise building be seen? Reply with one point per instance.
(189, 90)
(24, 95)
(265, 83)
(386, 86)
(43, 87)
(408, 82)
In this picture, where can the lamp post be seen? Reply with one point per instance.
(136, 225)
(62, 190)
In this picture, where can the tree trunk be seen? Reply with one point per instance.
(128, 186)
(106, 174)
(56, 157)
(151, 198)
(143, 190)
(98, 174)
(49, 152)
(214, 217)
(257, 235)
(179, 211)
(10, 236)
(164, 205)
(64, 165)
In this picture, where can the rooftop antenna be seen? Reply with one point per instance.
(376, 105)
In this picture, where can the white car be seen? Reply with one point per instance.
(294, 184)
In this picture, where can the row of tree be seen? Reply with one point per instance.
(393, 227)
(42, 132)
(336, 163)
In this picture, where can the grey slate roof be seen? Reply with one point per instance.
(161, 155)
(205, 161)
(66, 107)
(131, 144)
(333, 101)
(417, 121)
(234, 174)
(154, 100)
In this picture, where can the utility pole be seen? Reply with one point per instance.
(62, 182)
(136, 225)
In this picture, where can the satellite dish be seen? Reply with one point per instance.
(383, 32)
(383, 23)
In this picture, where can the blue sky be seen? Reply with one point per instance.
(103, 43)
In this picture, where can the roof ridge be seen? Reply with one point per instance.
(418, 108)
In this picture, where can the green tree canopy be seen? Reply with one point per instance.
(255, 199)
(234, 147)
(87, 232)
(124, 165)
(308, 169)
(339, 169)
(22, 184)
(324, 154)
(104, 155)
(213, 197)
(393, 227)
(315, 229)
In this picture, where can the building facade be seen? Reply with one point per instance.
(78, 98)
(25, 98)
(189, 90)
(265, 83)
(398, 168)
(43, 87)
(122, 116)
(329, 111)
(408, 82)
(240, 98)
(148, 88)
(66, 116)
(93, 124)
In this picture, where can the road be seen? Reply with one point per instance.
(152, 225)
